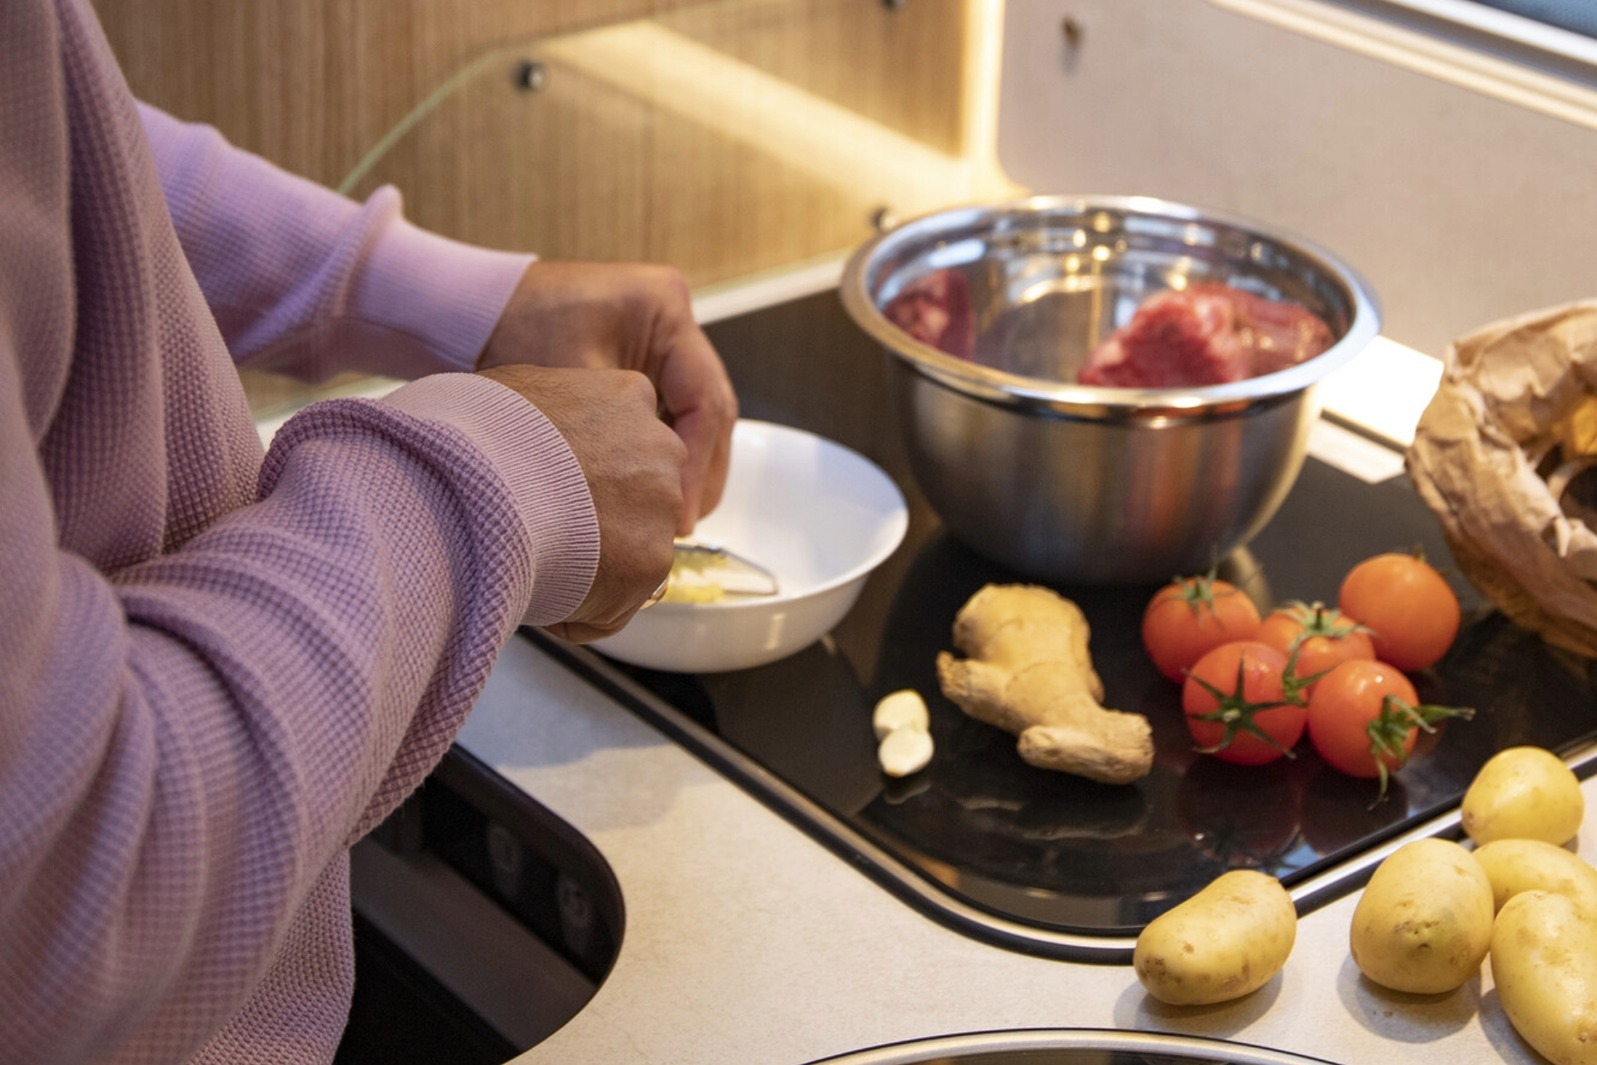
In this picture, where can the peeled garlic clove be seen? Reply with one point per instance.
(904, 751)
(898, 710)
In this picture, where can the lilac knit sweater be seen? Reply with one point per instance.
(218, 669)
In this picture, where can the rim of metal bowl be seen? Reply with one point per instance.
(860, 279)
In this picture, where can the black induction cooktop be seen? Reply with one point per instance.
(1045, 862)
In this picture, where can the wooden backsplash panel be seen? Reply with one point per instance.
(903, 67)
(818, 113)
(648, 143)
(314, 84)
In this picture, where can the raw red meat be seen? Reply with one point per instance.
(1204, 335)
(935, 310)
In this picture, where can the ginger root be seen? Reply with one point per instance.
(1028, 671)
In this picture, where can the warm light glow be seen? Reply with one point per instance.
(984, 60)
(816, 137)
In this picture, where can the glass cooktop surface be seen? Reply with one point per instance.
(1038, 860)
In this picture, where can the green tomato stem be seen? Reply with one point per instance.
(1236, 712)
(1389, 731)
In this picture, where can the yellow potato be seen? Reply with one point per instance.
(1544, 963)
(1229, 939)
(1515, 865)
(1424, 922)
(1524, 793)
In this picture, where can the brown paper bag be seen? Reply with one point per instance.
(1514, 419)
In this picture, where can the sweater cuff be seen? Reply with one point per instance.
(446, 293)
(544, 478)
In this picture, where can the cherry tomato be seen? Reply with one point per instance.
(1323, 636)
(1411, 611)
(1365, 717)
(1191, 616)
(1343, 705)
(1237, 704)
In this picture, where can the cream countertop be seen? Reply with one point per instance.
(747, 941)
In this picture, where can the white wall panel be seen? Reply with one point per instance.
(1461, 195)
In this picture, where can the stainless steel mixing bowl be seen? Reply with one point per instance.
(1096, 485)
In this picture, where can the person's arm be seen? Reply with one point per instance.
(354, 286)
(187, 743)
(638, 316)
(307, 282)
(209, 688)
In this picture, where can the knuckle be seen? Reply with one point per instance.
(669, 280)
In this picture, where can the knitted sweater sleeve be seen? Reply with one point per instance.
(349, 287)
(215, 672)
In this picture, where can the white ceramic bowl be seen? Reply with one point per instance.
(816, 514)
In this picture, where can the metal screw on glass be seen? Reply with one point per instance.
(530, 75)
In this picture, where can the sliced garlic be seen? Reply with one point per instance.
(904, 751)
(899, 709)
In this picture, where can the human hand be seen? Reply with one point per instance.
(635, 317)
(633, 465)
